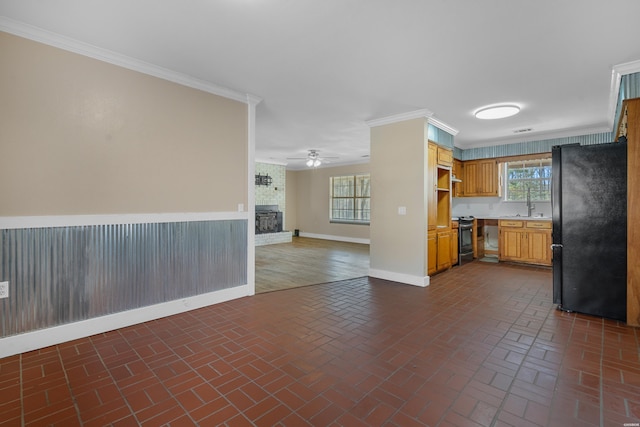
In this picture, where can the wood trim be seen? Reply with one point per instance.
(633, 212)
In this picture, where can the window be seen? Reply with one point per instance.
(350, 199)
(523, 176)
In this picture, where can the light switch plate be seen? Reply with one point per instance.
(402, 210)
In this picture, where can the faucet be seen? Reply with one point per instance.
(530, 206)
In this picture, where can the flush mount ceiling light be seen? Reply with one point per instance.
(497, 112)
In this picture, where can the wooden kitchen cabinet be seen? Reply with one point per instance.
(525, 241)
(454, 246)
(432, 252)
(511, 238)
(442, 250)
(443, 257)
(432, 207)
(539, 247)
(629, 126)
(481, 178)
(445, 157)
(457, 171)
(438, 188)
(469, 179)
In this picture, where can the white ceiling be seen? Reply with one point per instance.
(323, 68)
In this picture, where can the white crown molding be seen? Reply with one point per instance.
(616, 75)
(443, 126)
(424, 113)
(66, 43)
(253, 100)
(272, 162)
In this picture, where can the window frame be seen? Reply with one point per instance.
(355, 198)
(544, 160)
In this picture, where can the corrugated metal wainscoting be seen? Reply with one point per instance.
(61, 275)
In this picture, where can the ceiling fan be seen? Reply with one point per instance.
(313, 158)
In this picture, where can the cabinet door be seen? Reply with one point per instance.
(539, 247)
(445, 157)
(487, 177)
(511, 244)
(444, 250)
(454, 247)
(469, 182)
(432, 250)
(432, 203)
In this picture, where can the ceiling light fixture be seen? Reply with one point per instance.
(314, 163)
(313, 159)
(497, 112)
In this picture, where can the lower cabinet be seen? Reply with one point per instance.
(432, 251)
(443, 258)
(442, 250)
(454, 246)
(525, 241)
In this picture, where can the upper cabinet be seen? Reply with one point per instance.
(480, 178)
(445, 157)
(457, 172)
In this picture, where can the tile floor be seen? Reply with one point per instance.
(482, 346)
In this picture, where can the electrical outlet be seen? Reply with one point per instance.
(4, 289)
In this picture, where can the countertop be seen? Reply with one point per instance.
(517, 218)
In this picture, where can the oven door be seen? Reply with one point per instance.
(465, 244)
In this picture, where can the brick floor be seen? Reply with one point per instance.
(483, 345)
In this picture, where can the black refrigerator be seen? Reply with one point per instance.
(589, 205)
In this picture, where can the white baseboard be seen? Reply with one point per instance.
(34, 340)
(335, 238)
(422, 281)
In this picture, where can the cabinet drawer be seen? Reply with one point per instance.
(509, 223)
(539, 224)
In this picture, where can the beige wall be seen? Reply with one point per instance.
(291, 191)
(80, 136)
(308, 192)
(398, 174)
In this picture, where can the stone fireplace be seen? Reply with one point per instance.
(270, 204)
